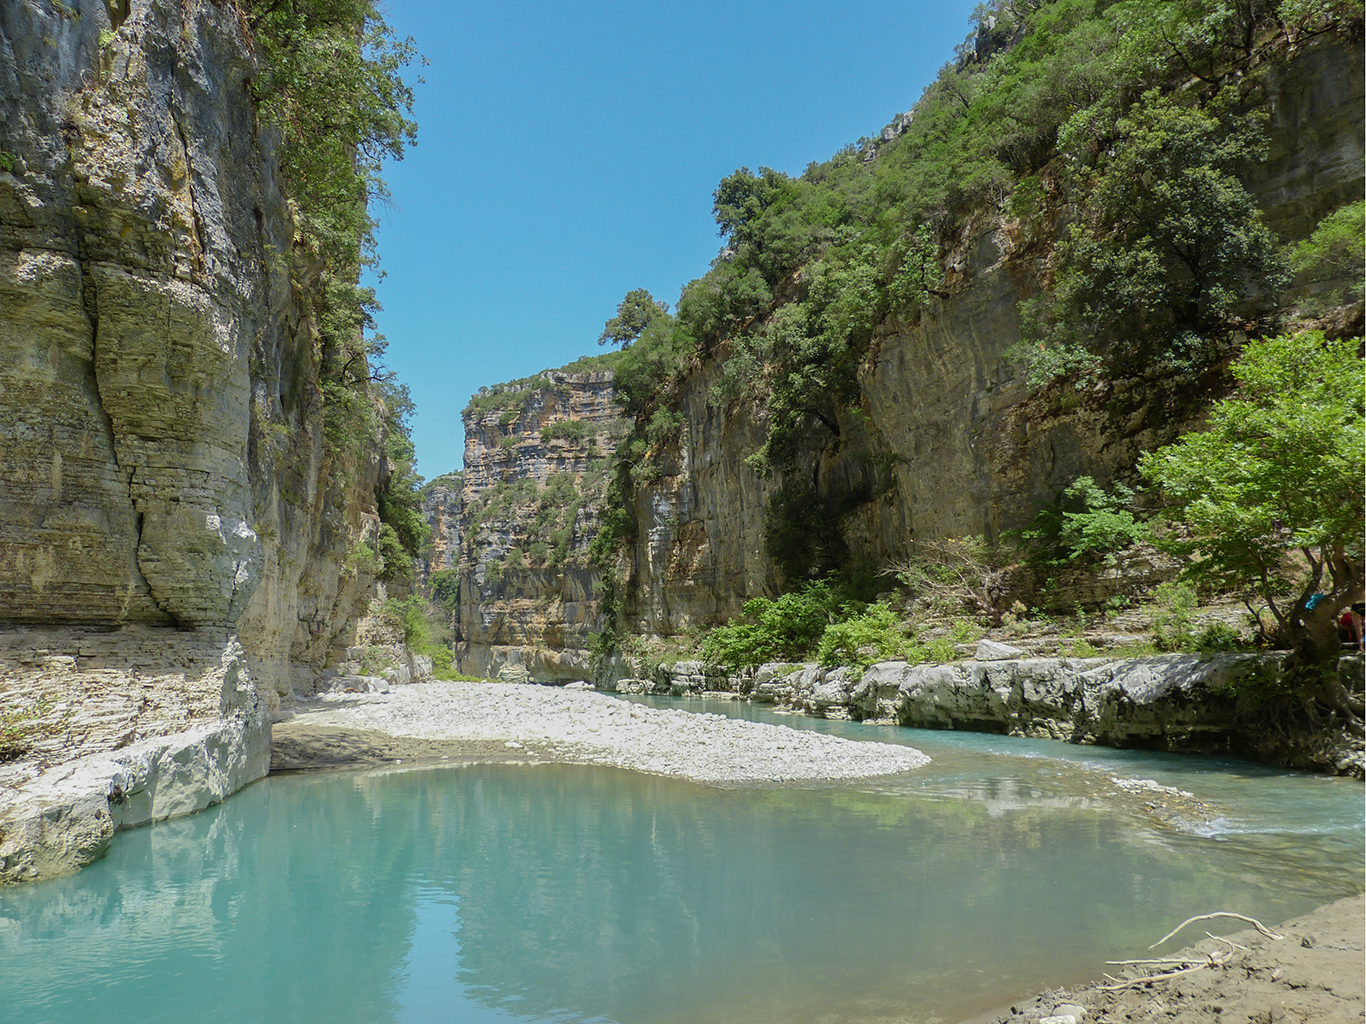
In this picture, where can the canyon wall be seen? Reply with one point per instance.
(945, 439)
(166, 487)
(441, 506)
(535, 476)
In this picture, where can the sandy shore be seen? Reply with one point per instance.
(1313, 975)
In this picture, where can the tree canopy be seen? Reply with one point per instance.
(634, 313)
(1269, 500)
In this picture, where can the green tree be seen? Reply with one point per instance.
(1269, 499)
(1171, 241)
(405, 528)
(1335, 252)
(634, 313)
(743, 197)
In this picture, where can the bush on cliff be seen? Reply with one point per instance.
(330, 84)
(425, 632)
(1086, 521)
(1336, 251)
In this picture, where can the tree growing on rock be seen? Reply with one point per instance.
(1269, 499)
(634, 313)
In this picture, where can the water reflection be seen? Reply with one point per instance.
(502, 893)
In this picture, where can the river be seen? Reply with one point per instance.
(501, 893)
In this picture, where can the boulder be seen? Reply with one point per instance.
(991, 650)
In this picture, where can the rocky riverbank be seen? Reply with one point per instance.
(1171, 702)
(1308, 971)
(109, 730)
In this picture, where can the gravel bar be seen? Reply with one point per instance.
(584, 726)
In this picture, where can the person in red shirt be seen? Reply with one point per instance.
(1350, 627)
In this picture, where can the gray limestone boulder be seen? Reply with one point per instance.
(991, 650)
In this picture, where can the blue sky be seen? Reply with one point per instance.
(567, 154)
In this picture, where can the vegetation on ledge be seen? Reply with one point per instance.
(1109, 142)
(331, 86)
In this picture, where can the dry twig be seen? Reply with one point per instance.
(1154, 977)
(1206, 917)
(1229, 942)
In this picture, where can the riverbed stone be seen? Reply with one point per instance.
(993, 650)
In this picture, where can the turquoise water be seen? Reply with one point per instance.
(565, 893)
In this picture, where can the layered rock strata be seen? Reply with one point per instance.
(1175, 702)
(441, 507)
(120, 729)
(944, 439)
(166, 487)
(535, 476)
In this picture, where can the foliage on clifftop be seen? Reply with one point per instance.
(1107, 140)
(1137, 113)
(330, 84)
(512, 396)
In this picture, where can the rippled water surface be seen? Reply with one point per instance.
(566, 893)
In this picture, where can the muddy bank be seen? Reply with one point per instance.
(1312, 974)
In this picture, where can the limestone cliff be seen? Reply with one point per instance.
(441, 505)
(166, 488)
(944, 439)
(534, 479)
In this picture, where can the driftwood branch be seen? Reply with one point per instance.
(1215, 959)
(1153, 977)
(1228, 942)
(1207, 917)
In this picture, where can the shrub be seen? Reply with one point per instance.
(421, 635)
(786, 629)
(940, 650)
(445, 584)
(16, 724)
(1335, 251)
(1084, 522)
(1172, 617)
(1218, 637)
(361, 559)
(953, 574)
(396, 564)
(865, 639)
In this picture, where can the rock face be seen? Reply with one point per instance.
(164, 468)
(120, 731)
(534, 481)
(1175, 702)
(945, 440)
(441, 507)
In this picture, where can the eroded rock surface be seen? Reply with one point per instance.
(535, 478)
(167, 501)
(1177, 702)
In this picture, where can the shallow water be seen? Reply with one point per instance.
(569, 893)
